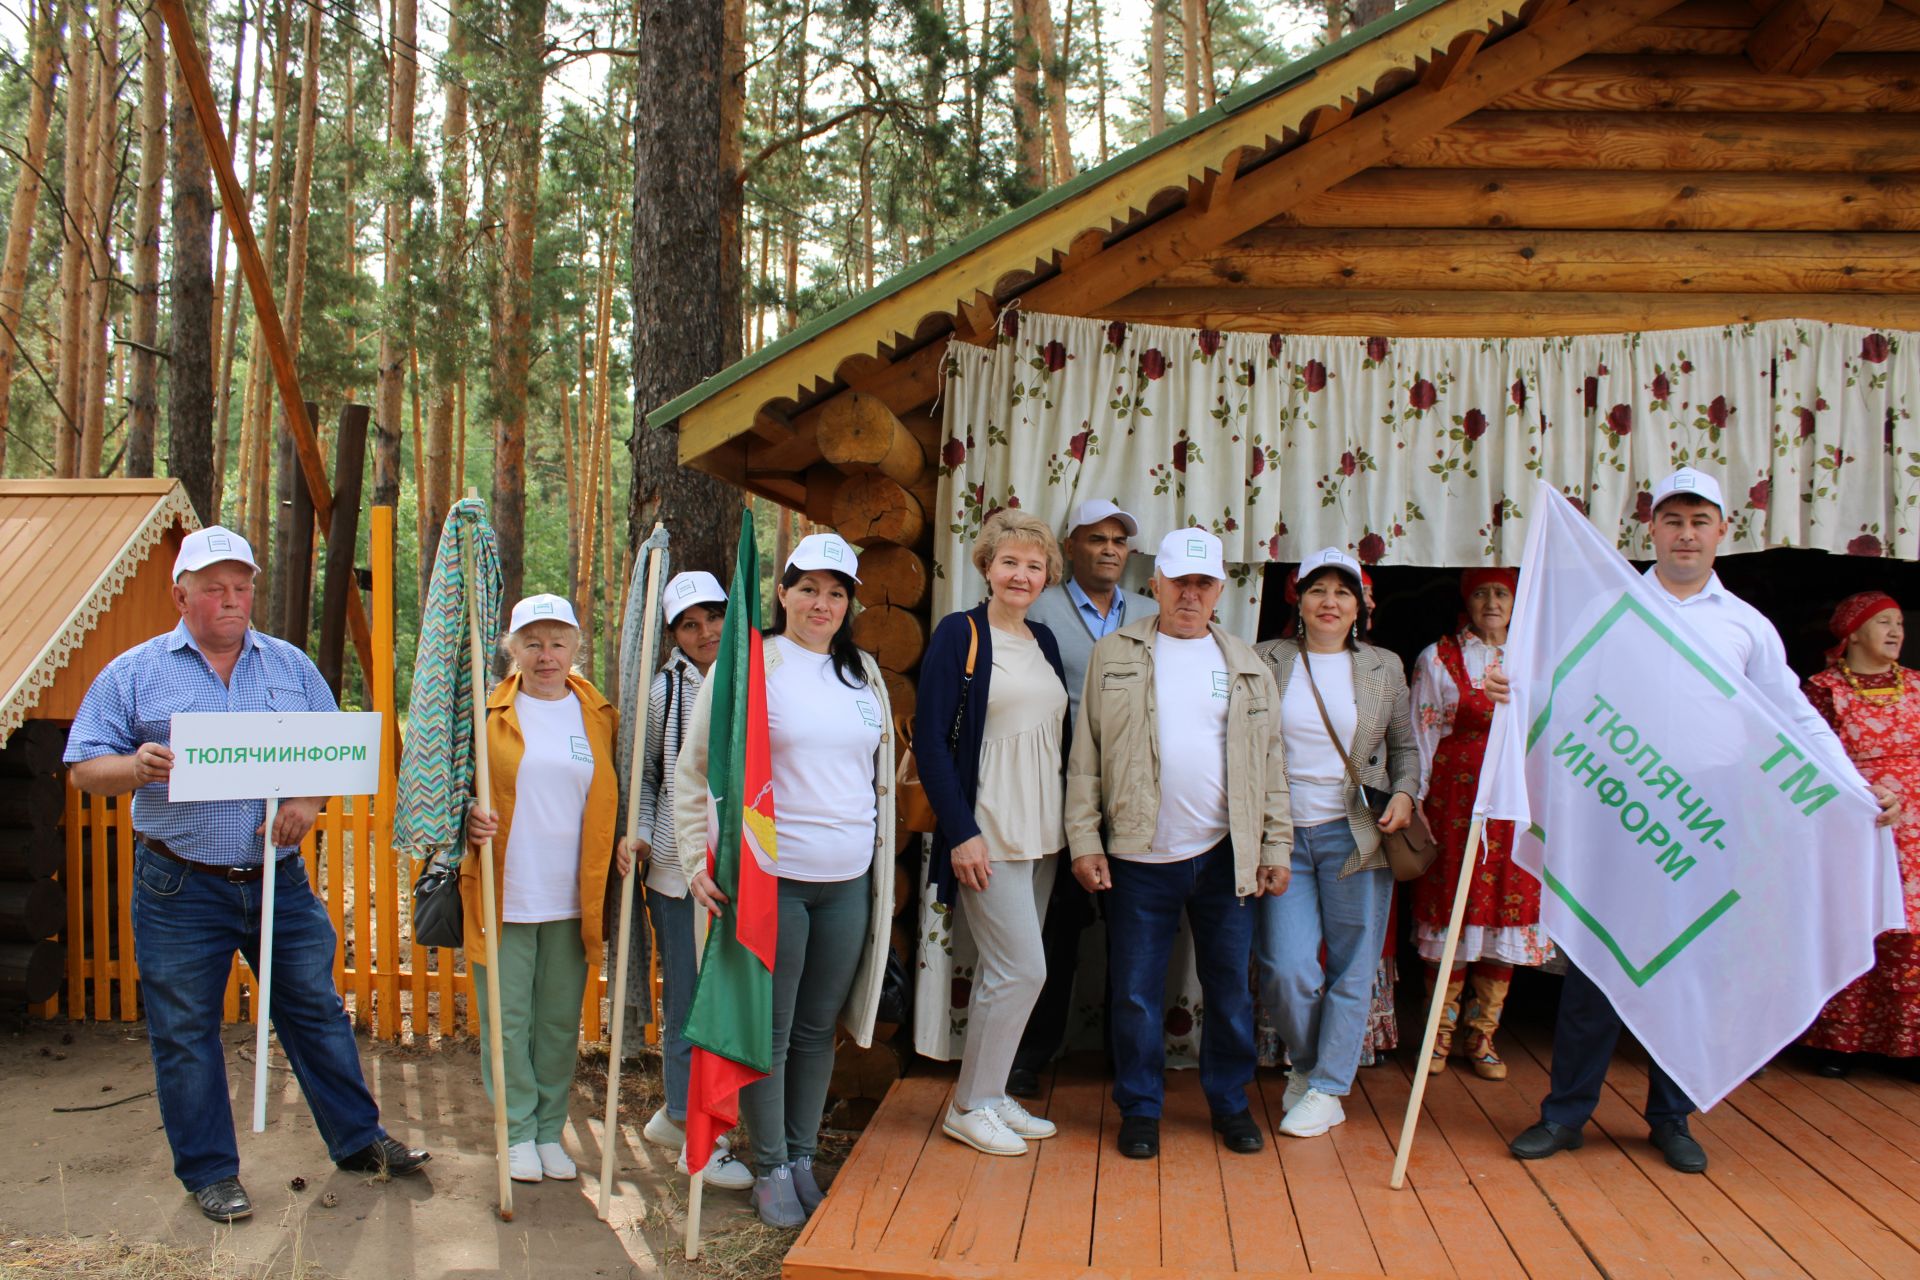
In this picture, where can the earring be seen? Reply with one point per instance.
(1356, 632)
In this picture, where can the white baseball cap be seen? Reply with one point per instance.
(211, 545)
(1335, 558)
(1189, 551)
(542, 608)
(825, 551)
(694, 587)
(1688, 481)
(1094, 510)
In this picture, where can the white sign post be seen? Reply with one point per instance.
(251, 755)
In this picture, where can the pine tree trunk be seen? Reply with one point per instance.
(103, 131)
(230, 314)
(449, 314)
(1366, 12)
(190, 349)
(394, 341)
(681, 193)
(256, 460)
(1190, 54)
(223, 230)
(1054, 67)
(1029, 132)
(26, 205)
(74, 263)
(1100, 80)
(144, 409)
(1157, 69)
(1208, 94)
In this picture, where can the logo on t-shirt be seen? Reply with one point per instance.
(1219, 684)
(581, 748)
(869, 714)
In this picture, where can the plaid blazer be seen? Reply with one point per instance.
(1382, 751)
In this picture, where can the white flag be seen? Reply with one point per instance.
(1716, 873)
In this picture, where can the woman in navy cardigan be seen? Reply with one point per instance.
(991, 747)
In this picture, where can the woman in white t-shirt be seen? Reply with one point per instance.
(551, 819)
(1341, 886)
(830, 739)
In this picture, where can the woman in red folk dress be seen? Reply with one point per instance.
(1451, 716)
(1873, 703)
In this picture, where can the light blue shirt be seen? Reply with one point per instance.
(134, 701)
(1098, 626)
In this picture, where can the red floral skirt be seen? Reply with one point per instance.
(1879, 1011)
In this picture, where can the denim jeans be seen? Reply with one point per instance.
(1143, 914)
(672, 920)
(1321, 1011)
(186, 927)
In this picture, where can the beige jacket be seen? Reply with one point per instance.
(690, 835)
(1382, 752)
(1113, 772)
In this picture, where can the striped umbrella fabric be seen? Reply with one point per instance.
(436, 769)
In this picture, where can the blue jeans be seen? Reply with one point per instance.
(186, 927)
(1143, 914)
(672, 920)
(1322, 1011)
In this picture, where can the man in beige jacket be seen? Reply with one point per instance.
(1177, 800)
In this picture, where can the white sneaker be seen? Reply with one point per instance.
(661, 1131)
(1313, 1115)
(555, 1162)
(1296, 1090)
(1023, 1124)
(723, 1171)
(523, 1162)
(984, 1131)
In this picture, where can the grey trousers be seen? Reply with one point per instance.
(823, 934)
(1005, 919)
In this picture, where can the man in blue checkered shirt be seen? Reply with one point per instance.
(197, 879)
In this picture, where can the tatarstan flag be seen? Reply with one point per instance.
(730, 1024)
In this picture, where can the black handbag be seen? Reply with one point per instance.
(896, 992)
(439, 917)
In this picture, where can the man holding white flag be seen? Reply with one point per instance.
(1689, 815)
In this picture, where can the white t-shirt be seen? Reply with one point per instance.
(1190, 688)
(1316, 773)
(549, 803)
(823, 737)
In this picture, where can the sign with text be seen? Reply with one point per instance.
(253, 755)
(1705, 862)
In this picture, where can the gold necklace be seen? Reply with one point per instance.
(1892, 693)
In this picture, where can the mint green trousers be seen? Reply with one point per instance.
(543, 980)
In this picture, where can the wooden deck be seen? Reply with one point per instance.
(1810, 1178)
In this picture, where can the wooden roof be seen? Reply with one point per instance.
(1468, 89)
(67, 549)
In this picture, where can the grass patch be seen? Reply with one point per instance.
(29, 1257)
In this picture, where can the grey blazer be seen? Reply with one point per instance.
(1382, 751)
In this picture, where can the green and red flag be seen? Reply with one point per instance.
(730, 1024)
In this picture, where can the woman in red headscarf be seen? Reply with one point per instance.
(1873, 704)
(1451, 715)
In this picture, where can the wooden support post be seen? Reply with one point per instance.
(895, 637)
(871, 508)
(193, 73)
(349, 463)
(859, 434)
(892, 575)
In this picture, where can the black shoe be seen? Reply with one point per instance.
(224, 1201)
(1678, 1146)
(1239, 1132)
(1834, 1066)
(1546, 1139)
(1139, 1137)
(384, 1155)
(1022, 1083)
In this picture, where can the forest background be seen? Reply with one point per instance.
(465, 204)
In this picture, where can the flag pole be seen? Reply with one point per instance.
(1468, 861)
(263, 1005)
(696, 1178)
(655, 547)
(489, 911)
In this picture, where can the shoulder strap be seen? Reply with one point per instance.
(973, 645)
(966, 686)
(1327, 720)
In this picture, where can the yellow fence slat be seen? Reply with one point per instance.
(125, 973)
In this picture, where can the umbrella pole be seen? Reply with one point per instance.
(267, 876)
(649, 645)
(489, 910)
(696, 1182)
(1404, 1148)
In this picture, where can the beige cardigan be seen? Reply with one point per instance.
(690, 833)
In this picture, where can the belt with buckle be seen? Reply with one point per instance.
(232, 875)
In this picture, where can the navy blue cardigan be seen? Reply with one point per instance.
(952, 778)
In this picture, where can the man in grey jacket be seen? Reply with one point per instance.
(1089, 604)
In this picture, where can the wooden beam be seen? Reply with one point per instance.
(1402, 313)
(193, 73)
(1218, 184)
(1624, 201)
(1451, 65)
(976, 320)
(1557, 261)
(859, 434)
(1849, 83)
(1549, 140)
(1891, 32)
(1797, 36)
(1085, 245)
(1326, 119)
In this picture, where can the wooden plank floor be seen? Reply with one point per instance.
(1811, 1179)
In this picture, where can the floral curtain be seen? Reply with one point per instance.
(1403, 451)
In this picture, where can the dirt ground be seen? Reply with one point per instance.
(92, 1192)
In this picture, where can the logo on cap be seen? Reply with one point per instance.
(833, 552)
(687, 588)
(1196, 548)
(219, 542)
(1683, 481)
(543, 606)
